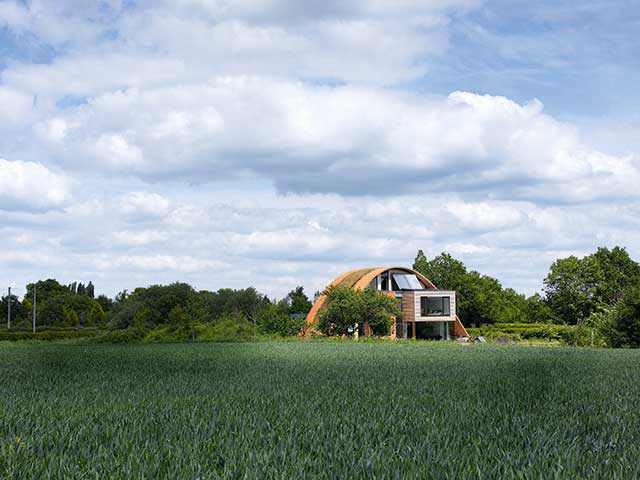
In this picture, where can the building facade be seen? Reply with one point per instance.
(427, 313)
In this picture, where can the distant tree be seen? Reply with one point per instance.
(298, 301)
(177, 316)
(618, 272)
(46, 289)
(96, 316)
(538, 311)
(244, 304)
(81, 290)
(275, 320)
(577, 287)
(625, 320)
(72, 319)
(90, 290)
(105, 302)
(53, 311)
(16, 310)
(27, 310)
(421, 263)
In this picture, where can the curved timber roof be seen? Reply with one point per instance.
(359, 280)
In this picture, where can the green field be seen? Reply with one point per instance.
(318, 409)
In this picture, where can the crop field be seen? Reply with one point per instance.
(318, 410)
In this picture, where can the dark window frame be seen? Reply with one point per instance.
(424, 307)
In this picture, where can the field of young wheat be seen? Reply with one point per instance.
(322, 410)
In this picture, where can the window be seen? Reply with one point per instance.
(407, 281)
(435, 306)
(384, 281)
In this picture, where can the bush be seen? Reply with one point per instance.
(47, 334)
(127, 335)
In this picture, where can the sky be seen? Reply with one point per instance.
(275, 143)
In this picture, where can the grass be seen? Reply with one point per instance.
(318, 409)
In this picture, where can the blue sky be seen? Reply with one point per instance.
(276, 142)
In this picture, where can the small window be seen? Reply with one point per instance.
(384, 281)
(435, 306)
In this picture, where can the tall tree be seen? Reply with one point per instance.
(576, 287)
(90, 290)
(298, 301)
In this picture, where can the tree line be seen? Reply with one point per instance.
(177, 305)
(599, 292)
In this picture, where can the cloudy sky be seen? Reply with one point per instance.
(272, 143)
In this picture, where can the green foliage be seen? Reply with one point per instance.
(298, 301)
(105, 302)
(318, 410)
(71, 318)
(275, 320)
(53, 334)
(619, 325)
(17, 312)
(347, 309)
(480, 298)
(524, 331)
(575, 288)
(96, 316)
(244, 304)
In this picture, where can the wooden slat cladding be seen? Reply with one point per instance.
(408, 307)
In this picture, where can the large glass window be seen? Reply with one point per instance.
(435, 306)
(407, 281)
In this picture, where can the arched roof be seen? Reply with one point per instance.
(359, 280)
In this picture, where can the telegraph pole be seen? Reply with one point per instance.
(35, 308)
(9, 311)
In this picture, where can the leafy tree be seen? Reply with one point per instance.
(347, 309)
(576, 287)
(536, 310)
(275, 320)
(105, 302)
(444, 271)
(378, 310)
(45, 289)
(96, 316)
(421, 263)
(72, 318)
(571, 287)
(90, 290)
(244, 304)
(624, 321)
(297, 300)
(16, 310)
(617, 272)
(27, 310)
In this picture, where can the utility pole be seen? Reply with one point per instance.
(9, 311)
(35, 308)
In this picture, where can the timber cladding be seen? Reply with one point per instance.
(408, 307)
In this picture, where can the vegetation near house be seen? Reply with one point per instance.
(589, 294)
(586, 301)
(348, 308)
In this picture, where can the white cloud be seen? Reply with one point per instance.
(347, 140)
(143, 206)
(277, 142)
(29, 186)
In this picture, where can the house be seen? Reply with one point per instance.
(427, 312)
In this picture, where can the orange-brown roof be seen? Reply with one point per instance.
(359, 280)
